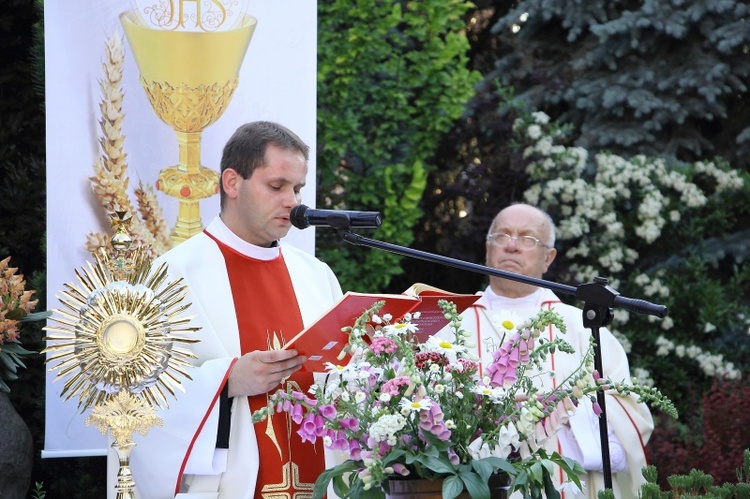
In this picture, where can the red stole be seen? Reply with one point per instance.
(265, 303)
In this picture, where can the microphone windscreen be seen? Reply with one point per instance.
(298, 216)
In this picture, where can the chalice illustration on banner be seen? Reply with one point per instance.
(189, 78)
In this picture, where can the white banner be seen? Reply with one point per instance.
(277, 82)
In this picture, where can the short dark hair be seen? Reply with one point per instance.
(246, 148)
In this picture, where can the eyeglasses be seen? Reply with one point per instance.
(525, 242)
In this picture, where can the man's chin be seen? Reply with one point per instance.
(511, 267)
(282, 231)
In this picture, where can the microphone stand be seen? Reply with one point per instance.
(599, 302)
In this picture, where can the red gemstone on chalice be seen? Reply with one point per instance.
(158, 185)
(185, 191)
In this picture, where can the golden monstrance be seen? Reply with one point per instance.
(120, 342)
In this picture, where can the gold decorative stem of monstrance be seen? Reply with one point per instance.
(189, 78)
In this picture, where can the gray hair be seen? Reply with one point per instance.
(549, 222)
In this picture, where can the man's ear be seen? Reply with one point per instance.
(230, 181)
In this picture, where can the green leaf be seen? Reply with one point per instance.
(436, 445)
(336, 474)
(549, 488)
(475, 485)
(487, 466)
(536, 472)
(522, 478)
(16, 348)
(37, 316)
(571, 467)
(7, 360)
(394, 456)
(452, 487)
(483, 467)
(438, 465)
(321, 485)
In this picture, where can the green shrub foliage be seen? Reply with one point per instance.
(392, 78)
(669, 232)
(654, 77)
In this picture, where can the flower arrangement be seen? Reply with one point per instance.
(404, 409)
(15, 305)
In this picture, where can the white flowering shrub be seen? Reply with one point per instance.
(671, 233)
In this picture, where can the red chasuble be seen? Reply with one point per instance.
(265, 303)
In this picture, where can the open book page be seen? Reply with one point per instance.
(431, 318)
(323, 341)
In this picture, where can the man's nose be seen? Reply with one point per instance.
(512, 244)
(292, 198)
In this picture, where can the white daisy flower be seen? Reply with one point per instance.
(496, 393)
(506, 321)
(415, 405)
(331, 367)
(445, 347)
(400, 328)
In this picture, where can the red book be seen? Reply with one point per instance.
(323, 341)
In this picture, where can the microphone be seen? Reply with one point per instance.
(303, 217)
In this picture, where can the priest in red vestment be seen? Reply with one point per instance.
(245, 287)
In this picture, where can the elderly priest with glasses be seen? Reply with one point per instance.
(521, 240)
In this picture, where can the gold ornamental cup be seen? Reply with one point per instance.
(189, 78)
